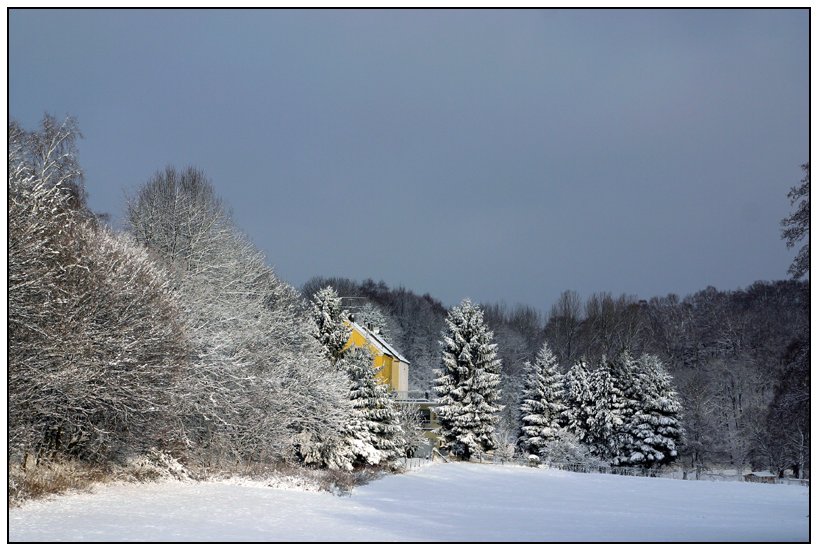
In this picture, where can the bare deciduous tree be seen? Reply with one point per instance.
(257, 383)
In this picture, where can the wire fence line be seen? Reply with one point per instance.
(412, 463)
(606, 469)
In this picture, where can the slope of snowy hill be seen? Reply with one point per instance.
(439, 502)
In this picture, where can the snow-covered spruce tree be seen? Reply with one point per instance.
(624, 371)
(579, 403)
(606, 423)
(541, 407)
(329, 317)
(468, 383)
(376, 422)
(654, 428)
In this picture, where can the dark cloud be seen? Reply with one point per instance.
(500, 155)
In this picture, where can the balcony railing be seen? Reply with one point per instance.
(414, 395)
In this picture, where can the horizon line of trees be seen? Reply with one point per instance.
(175, 334)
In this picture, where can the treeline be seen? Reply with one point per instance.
(174, 335)
(739, 359)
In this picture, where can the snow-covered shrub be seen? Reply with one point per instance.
(52, 477)
(156, 465)
(566, 448)
(411, 422)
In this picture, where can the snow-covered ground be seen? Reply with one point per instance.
(459, 502)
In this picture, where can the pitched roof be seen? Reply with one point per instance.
(378, 341)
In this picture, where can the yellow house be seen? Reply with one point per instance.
(393, 368)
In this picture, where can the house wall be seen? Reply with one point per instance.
(402, 379)
(382, 362)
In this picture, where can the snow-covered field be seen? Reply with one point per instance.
(462, 502)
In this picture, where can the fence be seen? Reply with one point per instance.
(411, 463)
(592, 468)
(573, 467)
(413, 396)
(793, 481)
(605, 469)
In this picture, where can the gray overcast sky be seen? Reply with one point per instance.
(500, 155)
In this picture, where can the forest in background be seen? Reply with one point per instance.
(174, 339)
(739, 359)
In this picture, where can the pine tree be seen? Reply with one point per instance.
(541, 407)
(654, 429)
(578, 401)
(329, 317)
(377, 417)
(468, 383)
(606, 422)
(624, 372)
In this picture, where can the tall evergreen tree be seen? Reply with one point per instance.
(468, 383)
(607, 420)
(542, 406)
(376, 422)
(655, 427)
(625, 371)
(329, 317)
(578, 401)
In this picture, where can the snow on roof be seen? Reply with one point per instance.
(378, 341)
(762, 473)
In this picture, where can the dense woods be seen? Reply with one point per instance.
(176, 336)
(739, 359)
(172, 336)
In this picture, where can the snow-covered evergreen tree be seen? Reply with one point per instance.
(329, 317)
(355, 443)
(606, 423)
(468, 383)
(655, 426)
(376, 424)
(541, 407)
(579, 403)
(624, 372)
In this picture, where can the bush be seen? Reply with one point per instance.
(45, 478)
(566, 448)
